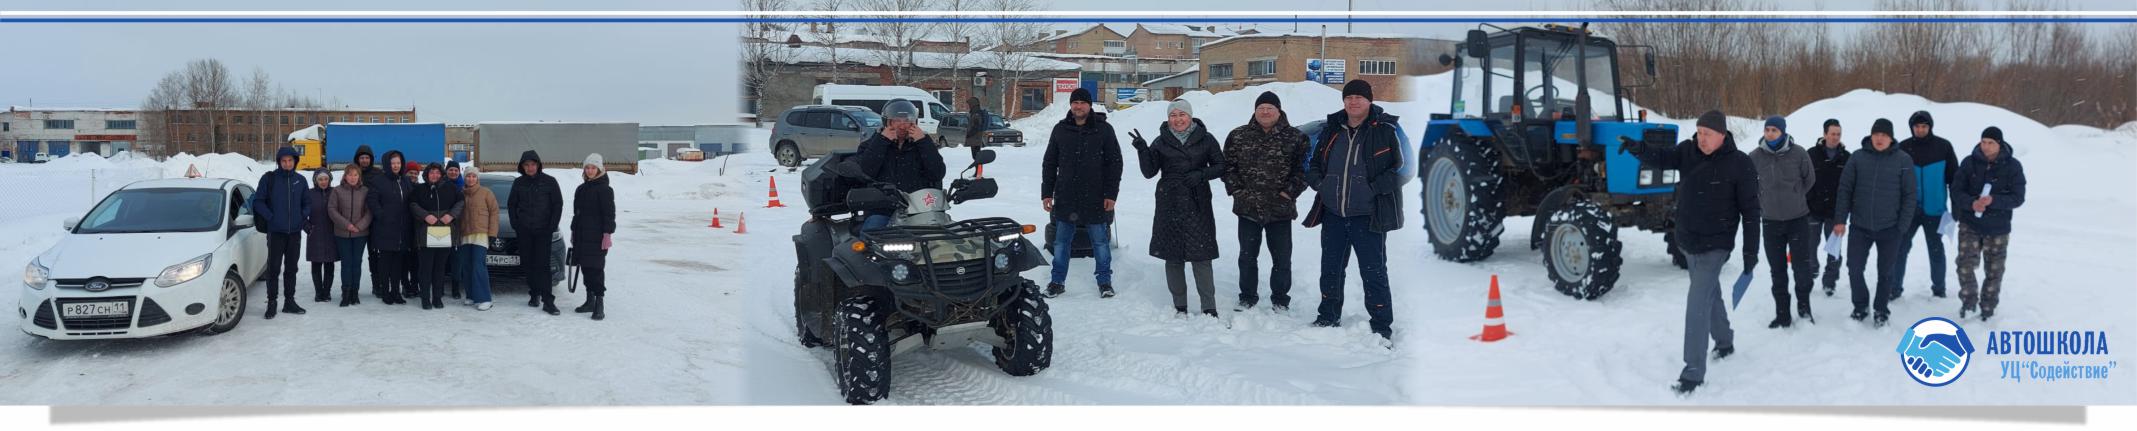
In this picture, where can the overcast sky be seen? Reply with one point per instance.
(667, 74)
(646, 73)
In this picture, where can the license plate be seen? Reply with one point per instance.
(96, 309)
(504, 260)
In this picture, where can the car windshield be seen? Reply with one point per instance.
(868, 119)
(156, 210)
(501, 186)
(996, 122)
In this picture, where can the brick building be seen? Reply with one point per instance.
(1240, 61)
(1173, 40)
(1093, 40)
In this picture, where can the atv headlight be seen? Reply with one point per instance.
(35, 276)
(901, 272)
(1001, 261)
(183, 272)
(1007, 237)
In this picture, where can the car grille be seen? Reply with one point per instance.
(153, 314)
(44, 317)
(80, 283)
(97, 323)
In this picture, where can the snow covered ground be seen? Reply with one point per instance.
(2069, 270)
(656, 348)
(693, 307)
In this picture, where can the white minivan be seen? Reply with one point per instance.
(874, 97)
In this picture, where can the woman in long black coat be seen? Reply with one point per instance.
(319, 237)
(1184, 231)
(593, 220)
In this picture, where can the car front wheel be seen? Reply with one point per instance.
(230, 305)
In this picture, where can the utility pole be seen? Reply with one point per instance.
(1348, 6)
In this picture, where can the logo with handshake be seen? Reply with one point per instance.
(1935, 351)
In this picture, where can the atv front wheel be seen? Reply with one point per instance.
(863, 350)
(1028, 330)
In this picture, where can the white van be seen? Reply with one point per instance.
(874, 97)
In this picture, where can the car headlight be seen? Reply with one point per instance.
(1001, 261)
(183, 272)
(901, 272)
(898, 247)
(36, 275)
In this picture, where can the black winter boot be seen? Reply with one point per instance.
(587, 307)
(292, 308)
(600, 308)
(549, 305)
(270, 309)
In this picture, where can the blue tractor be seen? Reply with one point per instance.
(1535, 123)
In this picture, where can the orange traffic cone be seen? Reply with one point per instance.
(716, 219)
(775, 195)
(1494, 318)
(742, 223)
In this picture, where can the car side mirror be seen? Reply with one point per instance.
(69, 224)
(1478, 44)
(1650, 61)
(241, 221)
(984, 157)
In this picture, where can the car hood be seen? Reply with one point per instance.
(125, 255)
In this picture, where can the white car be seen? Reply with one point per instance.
(156, 257)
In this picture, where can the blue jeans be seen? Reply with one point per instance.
(873, 221)
(475, 260)
(351, 251)
(1101, 250)
(1339, 237)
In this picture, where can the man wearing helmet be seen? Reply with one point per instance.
(901, 155)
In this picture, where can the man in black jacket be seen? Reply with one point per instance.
(1264, 174)
(1356, 202)
(1828, 157)
(1718, 191)
(901, 155)
(282, 205)
(537, 206)
(1991, 184)
(1077, 184)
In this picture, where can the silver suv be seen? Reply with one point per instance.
(810, 131)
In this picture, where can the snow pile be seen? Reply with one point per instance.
(218, 165)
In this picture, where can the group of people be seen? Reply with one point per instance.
(1265, 165)
(426, 231)
(1879, 196)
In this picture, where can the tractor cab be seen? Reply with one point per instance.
(1535, 121)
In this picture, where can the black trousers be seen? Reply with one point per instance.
(1782, 239)
(431, 272)
(593, 268)
(1888, 243)
(282, 251)
(390, 284)
(322, 279)
(1278, 234)
(534, 259)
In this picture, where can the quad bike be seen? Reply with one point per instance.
(924, 281)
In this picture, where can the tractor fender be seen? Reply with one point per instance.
(1551, 201)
